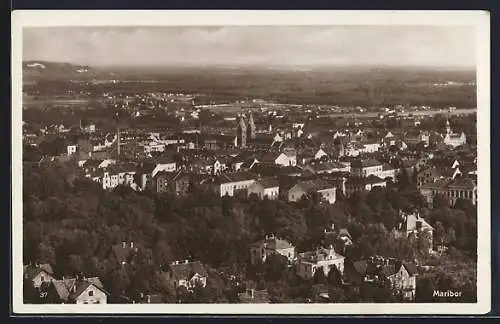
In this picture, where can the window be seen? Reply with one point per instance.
(42, 278)
(91, 293)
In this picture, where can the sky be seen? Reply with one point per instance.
(434, 46)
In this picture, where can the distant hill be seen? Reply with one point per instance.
(42, 70)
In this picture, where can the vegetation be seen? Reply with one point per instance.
(72, 224)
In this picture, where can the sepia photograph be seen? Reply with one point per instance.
(328, 162)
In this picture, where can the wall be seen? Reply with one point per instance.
(98, 296)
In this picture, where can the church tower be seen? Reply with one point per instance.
(242, 132)
(251, 126)
(448, 127)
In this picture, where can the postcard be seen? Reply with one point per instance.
(251, 162)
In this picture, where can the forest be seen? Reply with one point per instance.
(72, 223)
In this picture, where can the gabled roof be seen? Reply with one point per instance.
(185, 271)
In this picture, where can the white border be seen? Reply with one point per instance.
(476, 19)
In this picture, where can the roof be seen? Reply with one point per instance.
(31, 272)
(83, 284)
(71, 288)
(365, 163)
(314, 185)
(274, 243)
(326, 166)
(270, 156)
(235, 177)
(371, 179)
(319, 255)
(185, 271)
(462, 182)
(269, 183)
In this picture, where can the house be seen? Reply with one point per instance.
(325, 189)
(177, 182)
(271, 245)
(366, 167)
(427, 175)
(229, 183)
(400, 274)
(265, 188)
(388, 172)
(92, 165)
(413, 224)
(278, 158)
(358, 184)
(115, 175)
(38, 274)
(186, 274)
(341, 239)
(320, 260)
(320, 153)
(149, 169)
(74, 291)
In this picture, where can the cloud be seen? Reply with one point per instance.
(255, 45)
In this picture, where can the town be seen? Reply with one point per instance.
(167, 197)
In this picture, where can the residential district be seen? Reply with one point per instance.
(275, 165)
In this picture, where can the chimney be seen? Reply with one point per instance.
(186, 261)
(252, 291)
(132, 244)
(142, 295)
(149, 299)
(333, 227)
(124, 244)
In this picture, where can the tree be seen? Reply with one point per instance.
(319, 276)
(275, 266)
(334, 277)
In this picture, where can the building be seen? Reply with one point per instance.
(413, 224)
(328, 167)
(230, 183)
(453, 139)
(271, 245)
(367, 167)
(38, 274)
(400, 274)
(454, 189)
(320, 260)
(186, 274)
(325, 189)
(74, 291)
(265, 188)
(177, 182)
(241, 131)
(358, 184)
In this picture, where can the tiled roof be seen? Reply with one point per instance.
(274, 243)
(185, 271)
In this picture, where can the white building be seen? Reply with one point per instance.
(320, 260)
(266, 188)
(454, 139)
